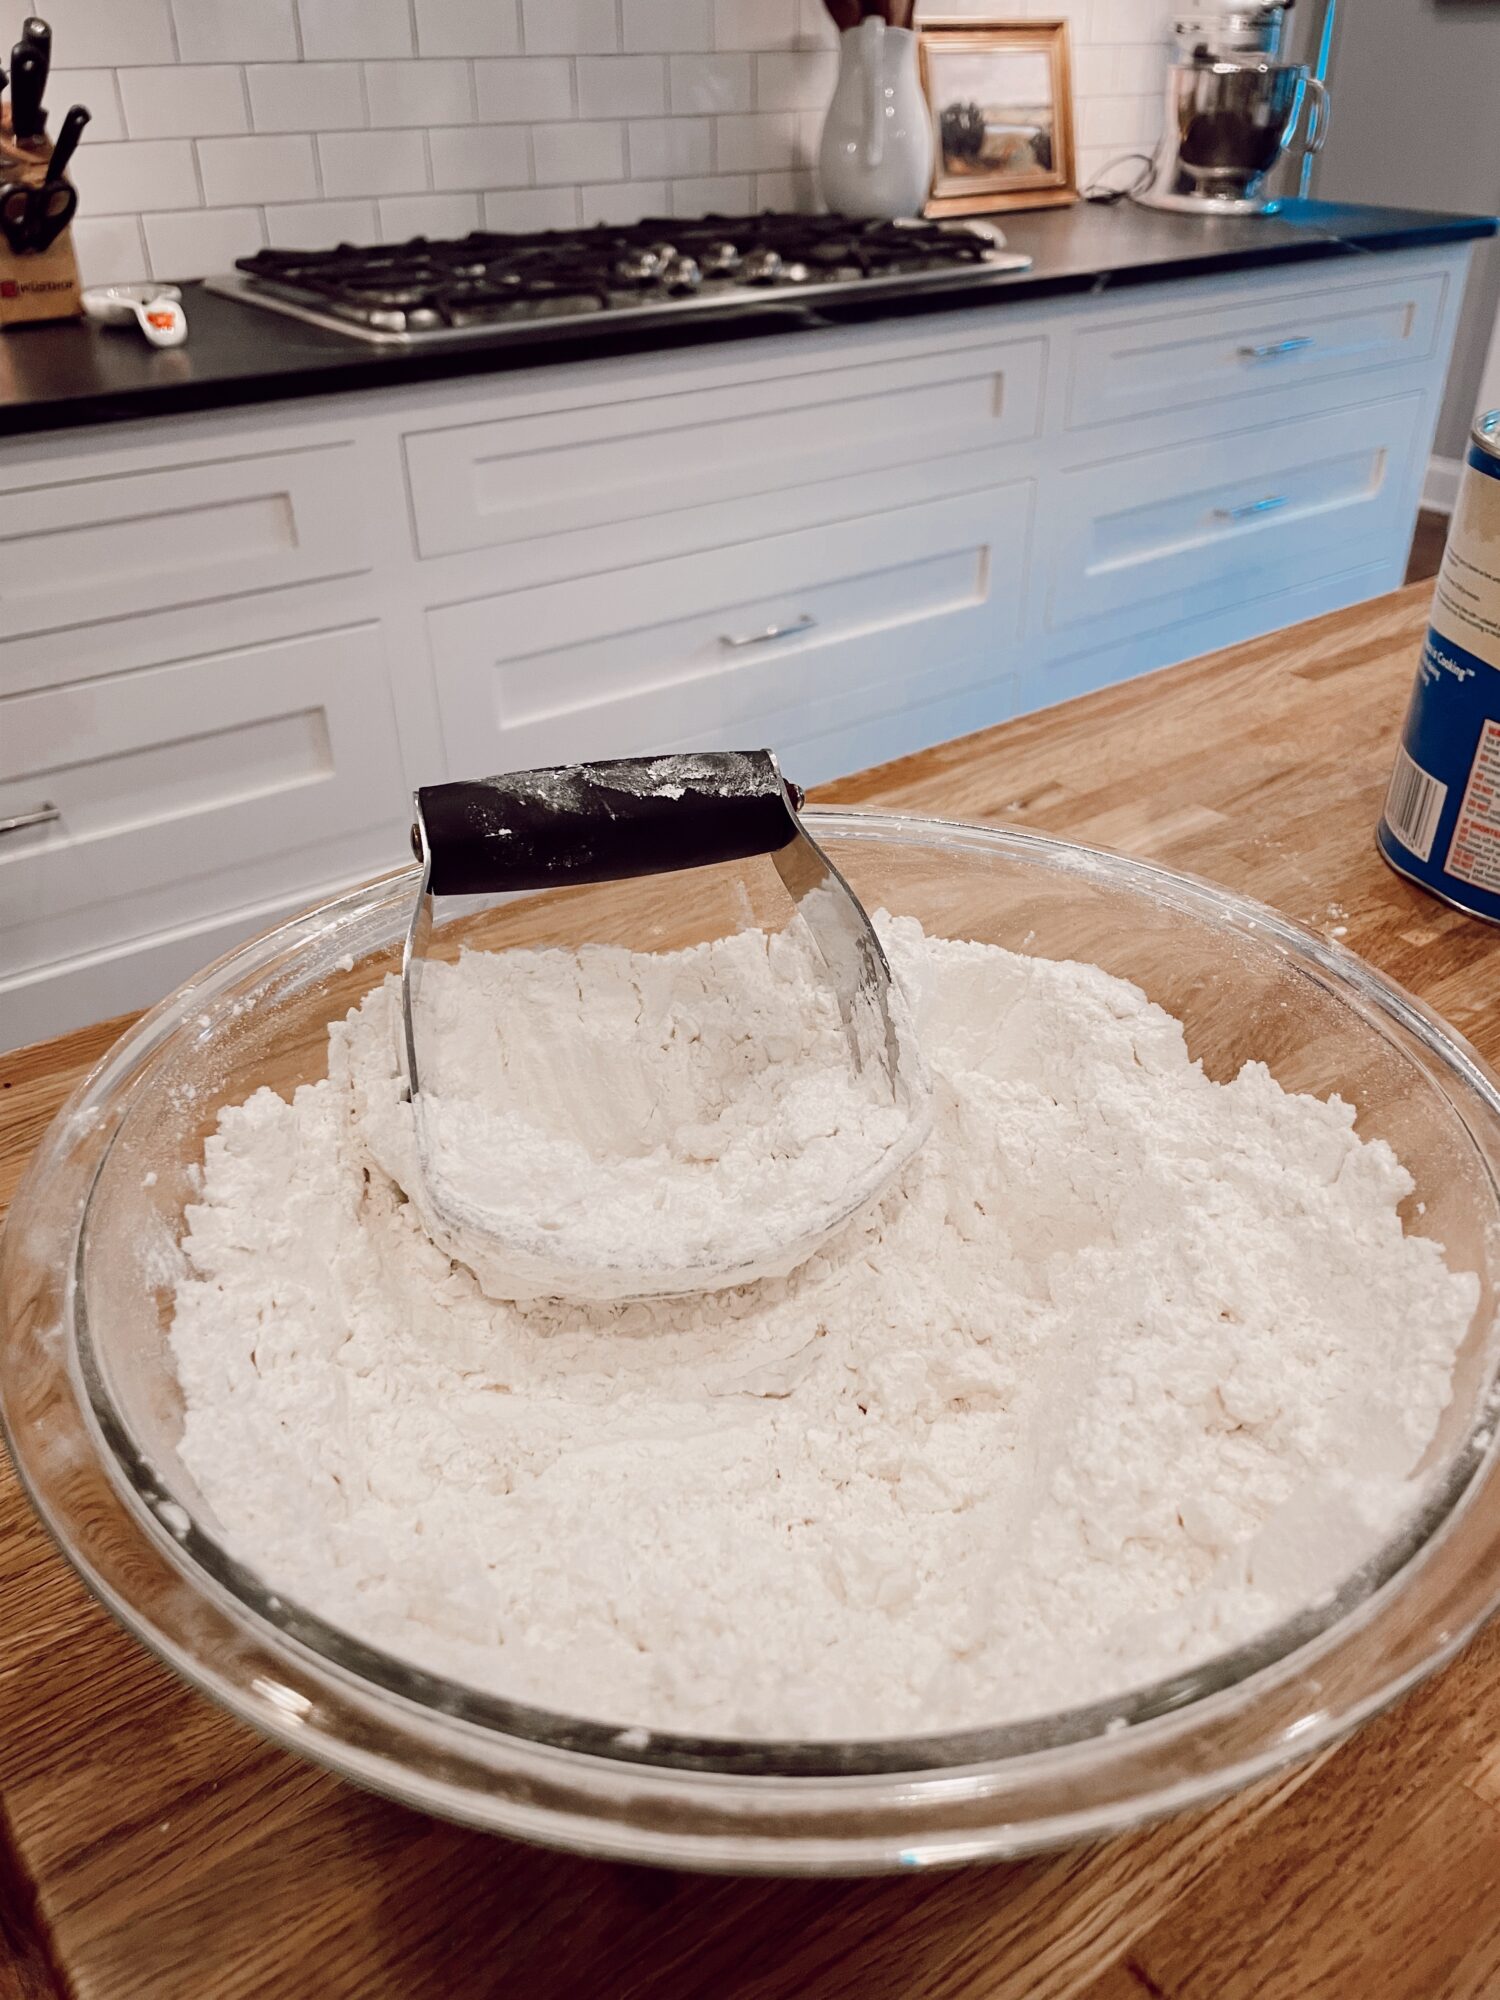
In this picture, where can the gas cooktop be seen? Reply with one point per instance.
(557, 281)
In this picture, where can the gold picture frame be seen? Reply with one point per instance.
(1001, 140)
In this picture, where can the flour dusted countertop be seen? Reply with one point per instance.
(74, 373)
(153, 1848)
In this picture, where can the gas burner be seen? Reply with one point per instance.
(487, 283)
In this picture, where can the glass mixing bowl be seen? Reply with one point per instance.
(91, 1404)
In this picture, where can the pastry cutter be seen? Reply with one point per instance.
(614, 821)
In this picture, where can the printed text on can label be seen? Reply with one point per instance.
(1441, 823)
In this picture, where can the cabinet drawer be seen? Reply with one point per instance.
(185, 789)
(83, 550)
(511, 481)
(1171, 362)
(1171, 534)
(870, 617)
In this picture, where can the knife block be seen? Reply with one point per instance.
(35, 284)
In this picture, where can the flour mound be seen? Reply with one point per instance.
(1127, 1366)
(604, 1123)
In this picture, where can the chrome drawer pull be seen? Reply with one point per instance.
(1251, 507)
(39, 816)
(734, 643)
(1274, 347)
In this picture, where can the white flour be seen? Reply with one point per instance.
(608, 1123)
(1127, 1366)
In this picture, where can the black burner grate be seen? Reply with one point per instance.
(487, 277)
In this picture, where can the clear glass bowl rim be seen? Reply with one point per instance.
(412, 1702)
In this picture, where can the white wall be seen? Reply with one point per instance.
(220, 125)
(1414, 122)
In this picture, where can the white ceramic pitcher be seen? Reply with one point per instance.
(876, 155)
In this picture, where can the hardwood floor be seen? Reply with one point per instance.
(1426, 546)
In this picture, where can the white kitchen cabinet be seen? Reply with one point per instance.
(671, 454)
(1149, 540)
(778, 640)
(1297, 332)
(76, 551)
(231, 644)
(174, 795)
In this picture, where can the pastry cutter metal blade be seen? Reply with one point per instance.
(619, 820)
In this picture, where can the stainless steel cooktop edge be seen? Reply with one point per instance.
(729, 298)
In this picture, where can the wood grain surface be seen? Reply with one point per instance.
(152, 1849)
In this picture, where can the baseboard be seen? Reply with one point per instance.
(1440, 487)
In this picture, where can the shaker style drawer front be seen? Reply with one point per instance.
(157, 798)
(780, 640)
(1148, 540)
(126, 543)
(1154, 364)
(512, 481)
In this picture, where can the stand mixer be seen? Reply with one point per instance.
(1234, 109)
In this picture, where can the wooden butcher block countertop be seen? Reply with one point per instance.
(153, 1849)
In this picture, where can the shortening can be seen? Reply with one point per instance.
(1441, 823)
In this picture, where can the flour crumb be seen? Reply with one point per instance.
(1125, 1367)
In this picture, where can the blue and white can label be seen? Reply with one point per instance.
(1441, 823)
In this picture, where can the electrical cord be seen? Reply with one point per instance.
(1105, 195)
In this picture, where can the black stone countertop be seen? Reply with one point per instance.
(54, 377)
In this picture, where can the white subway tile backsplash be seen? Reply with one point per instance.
(624, 201)
(1142, 67)
(578, 152)
(714, 194)
(525, 90)
(372, 162)
(762, 141)
(435, 215)
(200, 241)
(480, 156)
(797, 80)
(815, 28)
(570, 27)
(666, 148)
(132, 176)
(99, 90)
(107, 31)
(272, 168)
(319, 225)
(468, 27)
(320, 120)
(305, 96)
(1130, 21)
(666, 25)
(797, 192)
(532, 208)
(755, 24)
(711, 83)
(1094, 70)
(621, 86)
(419, 93)
(1114, 121)
(210, 31)
(180, 101)
(332, 29)
(110, 249)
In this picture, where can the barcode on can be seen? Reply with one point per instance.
(1414, 805)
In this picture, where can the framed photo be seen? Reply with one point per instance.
(1001, 96)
